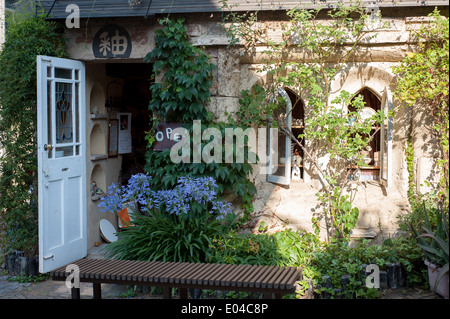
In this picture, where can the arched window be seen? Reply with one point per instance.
(371, 167)
(377, 156)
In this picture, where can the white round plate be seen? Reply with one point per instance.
(108, 231)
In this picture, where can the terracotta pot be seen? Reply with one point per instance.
(433, 274)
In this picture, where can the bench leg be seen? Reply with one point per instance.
(97, 287)
(166, 293)
(75, 293)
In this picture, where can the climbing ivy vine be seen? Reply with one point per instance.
(180, 94)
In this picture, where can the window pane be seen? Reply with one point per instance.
(64, 151)
(77, 113)
(280, 171)
(64, 123)
(49, 116)
(282, 163)
(63, 73)
(384, 153)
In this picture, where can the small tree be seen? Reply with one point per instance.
(325, 47)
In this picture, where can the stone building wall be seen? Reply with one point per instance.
(237, 70)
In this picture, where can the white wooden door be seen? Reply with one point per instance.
(61, 162)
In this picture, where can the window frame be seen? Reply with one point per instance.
(386, 143)
(286, 178)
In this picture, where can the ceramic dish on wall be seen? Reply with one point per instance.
(107, 231)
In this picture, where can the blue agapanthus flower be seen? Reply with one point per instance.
(113, 199)
(202, 190)
(138, 190)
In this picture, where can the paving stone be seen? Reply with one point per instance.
(50, 289)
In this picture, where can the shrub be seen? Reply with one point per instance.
(176, 225)
(27, 37)
(338, 258)
(285, 248)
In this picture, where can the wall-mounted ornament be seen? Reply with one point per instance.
(112, 41)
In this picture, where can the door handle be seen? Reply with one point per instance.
(48, 147)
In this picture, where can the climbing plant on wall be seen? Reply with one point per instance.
(324, 41)
(181, 93)
(424, 82)
(27, 37)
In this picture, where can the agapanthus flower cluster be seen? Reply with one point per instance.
(175, 201)
(136, 191)
(113, 199)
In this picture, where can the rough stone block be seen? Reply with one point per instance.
(392, 276)
(33, 266)
(383, 280)
(11, 264)
(22, 266)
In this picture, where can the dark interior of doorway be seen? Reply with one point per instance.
(135, 79)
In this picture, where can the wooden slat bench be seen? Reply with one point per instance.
(266, 279)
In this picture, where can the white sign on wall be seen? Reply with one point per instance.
(124, 133)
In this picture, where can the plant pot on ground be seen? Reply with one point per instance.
(437, 286)
(434, 243)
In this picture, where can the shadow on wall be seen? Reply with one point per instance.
(278, 206)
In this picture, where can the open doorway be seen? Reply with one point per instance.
(129, 92)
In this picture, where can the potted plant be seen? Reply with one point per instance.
(434, 244)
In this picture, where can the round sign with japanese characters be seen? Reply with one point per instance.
(112, 41)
